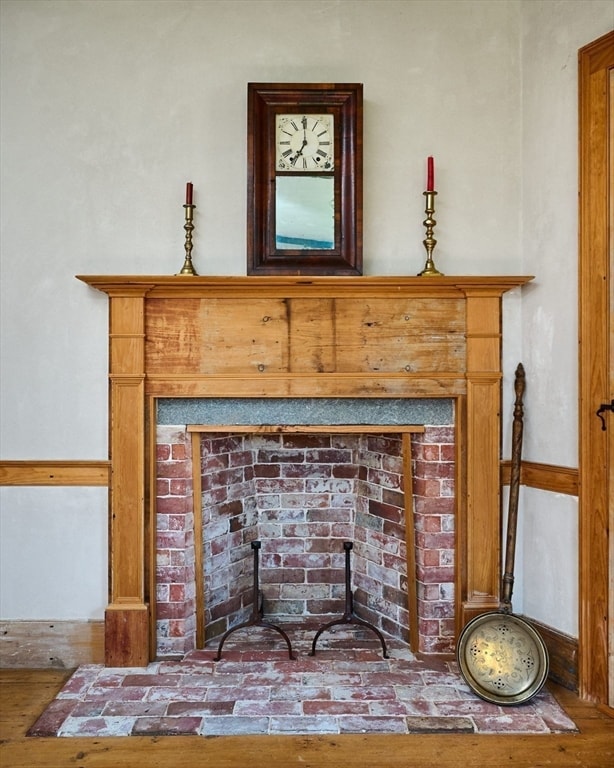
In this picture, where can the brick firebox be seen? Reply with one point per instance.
(302, 495)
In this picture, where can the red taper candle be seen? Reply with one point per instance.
(430, 174)
(188, 193)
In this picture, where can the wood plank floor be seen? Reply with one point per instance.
(25, 694)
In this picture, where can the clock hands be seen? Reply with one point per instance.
(299, 152)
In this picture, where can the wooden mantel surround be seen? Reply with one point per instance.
(259, 337)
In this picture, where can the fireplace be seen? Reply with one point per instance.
(280, 339)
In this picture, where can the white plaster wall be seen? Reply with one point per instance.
(110, 106)
(549, 540)
(551, 34)
(546, 563)
(54, 553)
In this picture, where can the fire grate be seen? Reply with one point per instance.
(349, 617)
(257, 618)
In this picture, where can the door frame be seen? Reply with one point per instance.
(594, 62)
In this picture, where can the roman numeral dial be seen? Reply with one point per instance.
(305, 143)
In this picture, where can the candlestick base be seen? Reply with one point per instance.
(430, 270)
(188, 267)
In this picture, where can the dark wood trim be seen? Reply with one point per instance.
(545, 477)
(563, 653)
(69, 473)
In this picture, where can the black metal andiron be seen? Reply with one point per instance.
(256, 619)
(349, 617)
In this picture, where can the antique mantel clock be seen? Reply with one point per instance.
(304, 154)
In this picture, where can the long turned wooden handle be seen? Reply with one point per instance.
(512, 519)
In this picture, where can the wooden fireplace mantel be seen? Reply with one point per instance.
(189, 336)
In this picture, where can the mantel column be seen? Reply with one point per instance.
(480, 535)
(127, 615)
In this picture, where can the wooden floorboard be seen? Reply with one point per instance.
(26, 693)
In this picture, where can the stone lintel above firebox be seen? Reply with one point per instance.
(305, 411)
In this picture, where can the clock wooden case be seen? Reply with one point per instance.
(304, 154)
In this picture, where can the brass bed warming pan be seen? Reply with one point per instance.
(502, 658)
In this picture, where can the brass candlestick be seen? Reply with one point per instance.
(188, 267)
(429, 242)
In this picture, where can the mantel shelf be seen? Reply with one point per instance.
(292, 285)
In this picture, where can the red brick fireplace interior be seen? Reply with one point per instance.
(302, 494)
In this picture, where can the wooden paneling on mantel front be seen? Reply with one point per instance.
(184, 336)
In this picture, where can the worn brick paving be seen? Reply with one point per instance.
(347, 687)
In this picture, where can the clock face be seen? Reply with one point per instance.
(305, 143)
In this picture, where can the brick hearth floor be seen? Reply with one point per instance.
(347, 687)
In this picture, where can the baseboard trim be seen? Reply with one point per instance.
(563, 653)
(56, 644)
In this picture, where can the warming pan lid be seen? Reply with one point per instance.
(502, 658)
